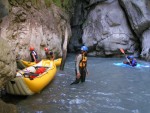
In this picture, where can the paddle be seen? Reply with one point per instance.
(122, 51)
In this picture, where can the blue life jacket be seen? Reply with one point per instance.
(133, 62)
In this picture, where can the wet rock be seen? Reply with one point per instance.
(7, 108)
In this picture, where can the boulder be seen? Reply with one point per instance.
(106, 30)
(145, 53)
(7, 108)
(138, 14)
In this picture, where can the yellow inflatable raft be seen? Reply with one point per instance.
(29, 82)
(27, 63)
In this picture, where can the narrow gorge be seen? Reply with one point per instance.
(103, 26)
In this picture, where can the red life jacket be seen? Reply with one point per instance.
(40, 70)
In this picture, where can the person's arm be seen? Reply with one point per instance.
(79, 58)
(34, 57)
(53, 56)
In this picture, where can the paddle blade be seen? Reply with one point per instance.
(122, 51)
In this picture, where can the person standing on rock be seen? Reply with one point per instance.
(81, 66)
(33, 55)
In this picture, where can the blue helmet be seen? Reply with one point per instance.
(130, 57)
(84, 48)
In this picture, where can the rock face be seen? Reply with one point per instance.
(77, 19)
(107, 25)
(7, 62)
(7, 108)
(34, 24)
(3, 8)
(106, 30)
(138, 14)
(7, 72)
(145, 54)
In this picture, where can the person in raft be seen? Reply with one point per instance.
(132, 61)
(49, 54)
(33, 55)
(81, 66)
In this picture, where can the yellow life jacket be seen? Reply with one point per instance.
(83, 62)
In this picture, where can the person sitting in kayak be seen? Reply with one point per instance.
(132, 61)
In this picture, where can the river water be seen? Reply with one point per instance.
(108, 89)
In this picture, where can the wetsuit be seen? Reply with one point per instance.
(80, 67)
(33, 53)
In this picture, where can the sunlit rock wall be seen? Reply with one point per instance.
(107, 25)
(37, 24)
(138, 14)
(106, 29)
(7, 62)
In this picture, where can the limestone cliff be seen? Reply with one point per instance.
(107, 25)
(35, 23)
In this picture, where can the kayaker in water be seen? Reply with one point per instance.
(132, 61)
(49, 54)
(33, 55)
(81, 66)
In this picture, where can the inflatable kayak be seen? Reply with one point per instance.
(27, 63)
(121, 64)
(32, 79)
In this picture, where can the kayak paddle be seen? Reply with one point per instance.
(122, 51)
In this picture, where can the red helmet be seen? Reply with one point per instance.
(46, 49)
(31, 48)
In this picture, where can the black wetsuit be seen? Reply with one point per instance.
(35, 54)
